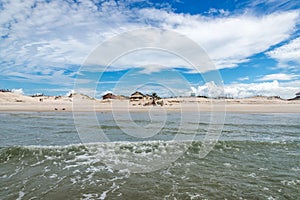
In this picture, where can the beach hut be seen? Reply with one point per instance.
(137, 96)
(295, 98)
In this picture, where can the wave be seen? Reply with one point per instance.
(109, 168)
(134, 147)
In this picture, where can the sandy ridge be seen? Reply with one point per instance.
(16, 102)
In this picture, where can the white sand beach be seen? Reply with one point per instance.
(16, 102)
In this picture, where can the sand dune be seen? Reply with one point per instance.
(16, 102)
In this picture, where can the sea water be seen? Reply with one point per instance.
(42, 156)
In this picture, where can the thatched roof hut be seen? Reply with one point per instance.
(109, 96)
(136, 96)
(295, 98)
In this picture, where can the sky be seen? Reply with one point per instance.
(254, 46)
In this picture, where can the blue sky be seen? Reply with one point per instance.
(254, 45)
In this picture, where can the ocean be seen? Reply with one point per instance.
(254, 156)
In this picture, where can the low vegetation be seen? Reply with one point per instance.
(5, 90)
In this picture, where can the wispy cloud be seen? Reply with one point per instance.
(34, 41)
(279, 77)
(232, 40)
(246, 78)
(68, 32)
(54, 77)
(273, 5)
(287, 55)
(242, 36)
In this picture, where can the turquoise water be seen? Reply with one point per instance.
(256, 157)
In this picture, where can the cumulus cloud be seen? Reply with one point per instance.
(105, 92)
(18, 91)
(70, 93)
(284, 90)
(209, 89)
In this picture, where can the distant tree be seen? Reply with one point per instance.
(38, 95)
(5, 90)
(155, 96)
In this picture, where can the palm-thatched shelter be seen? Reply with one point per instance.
(109, 96)
(136, 96)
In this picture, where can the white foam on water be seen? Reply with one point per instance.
(73, 181)
(136, 156)
(103, 195)
(4, 176)
(21, 195)
(76, 171)
(227, 165)
(296, 169)
(37, 163)
(88, 196)
(263, 169)
(46, 169)
(53, 176)
(290, 182)
(253, 175)
(184, 178)
(194, 196)
(17, 171)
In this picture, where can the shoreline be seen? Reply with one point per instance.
(190, 107)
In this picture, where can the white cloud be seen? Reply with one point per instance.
(246, 78)
(295, 84)
(41, 35)
(18, 91)
(150, 60)
(279, 77)
(86, 91)
(218, 11)
(105, 92)
(56, 34)
(273, 5)
(209, 89)
(284, 90)
(70, 92)
(47, 76)
(230, 41)
(287, 53)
